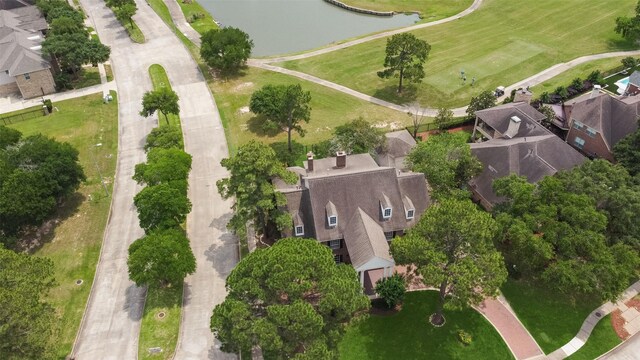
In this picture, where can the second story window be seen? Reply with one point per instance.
(577, 125)
(591, 132)
(27, 76)
(410, 214)
(299, 230)
(579, 142)
(333, 220)
(334, 244)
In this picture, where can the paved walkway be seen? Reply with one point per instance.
(111, 323)
(181, 22)
(631, 315)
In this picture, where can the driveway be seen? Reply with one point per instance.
(111, 322)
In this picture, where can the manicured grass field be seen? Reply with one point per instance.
(602, 339)
(159, 331)
(74, 243)
(551, 318)
(329, 108)
(201, 25)
(430, 10)
(501, 43)
(409, 335)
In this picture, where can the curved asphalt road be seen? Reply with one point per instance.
(111, 323)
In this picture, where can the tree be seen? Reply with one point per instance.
(66, 25)
(161, 207)
(291, 300)
(165, 137)
(283, 106)
(161, 258)
(447, 163)
(629, 27)
(484, 100)
(391, 289)
(451, 248)
(163, 100)
(553, 233)
(71, 51)
(8, 137)
(169, 166)
(256, 200)
(629, 62)
(627, 152)
(126, 12)
(417, 114)
(444, 117)
(357, 137)
(549, 114)
(226, 49)
(406, 55)
(27, 319)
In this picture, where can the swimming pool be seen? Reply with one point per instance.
(622, 85)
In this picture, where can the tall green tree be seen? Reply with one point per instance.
(291, 300)
(161, 207)
(169, 166)
(484, 100)
(405, 58)
(251, 171)
(629, 26)
(451, 248)
(163, 100)
(627, 152)
(284, 106)
(27, 321)
(357, 137)
(226, 49)
(8, 137)
(447, 163)
(443, 117)
(126, 12)
(165, 137)
(161, 258)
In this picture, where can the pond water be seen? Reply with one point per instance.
(285, 26)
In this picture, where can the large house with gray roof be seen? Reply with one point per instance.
(518, 144)
(23, 69)
(598, 120)
(356, 207)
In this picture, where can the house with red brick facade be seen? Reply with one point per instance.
(598, 120)
(356, 207)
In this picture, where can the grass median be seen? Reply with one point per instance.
(501, 43)
(75, 238)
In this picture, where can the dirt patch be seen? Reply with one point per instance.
(379, 308)
(425, 134)
(618, 324)
(243, 86)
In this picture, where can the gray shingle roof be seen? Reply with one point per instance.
(532, 157)
(397, 147)
(365, 240)
(20, 47)
(499, 117)
(634, 78)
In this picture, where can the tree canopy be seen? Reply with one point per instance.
(163, 100)
(451, 248)
(447, 163)
(484, 100)
(170, 166)
(565, 229)
(405, 58)
(161, 258)
(251, 170)
(161, 207)
(627, 152)
(629, 26)
(357, 137)
(292, 300)
(165, 137)
(226, 49)
(27, 319)
(283, 106)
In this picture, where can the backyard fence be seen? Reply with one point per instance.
(11, 119)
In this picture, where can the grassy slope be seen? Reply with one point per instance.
(201, 25)
(156, 332)
(74, 244)
(499, 44)
(330, 108)
(552, 319)
(408, 335)
(602, 339)
(430, 10)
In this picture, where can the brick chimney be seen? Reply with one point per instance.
(341, 159)
(310, 161)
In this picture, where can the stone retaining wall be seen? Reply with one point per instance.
(359, 10)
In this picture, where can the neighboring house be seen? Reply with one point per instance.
(355, 207)
(598, 120)
(397, 146)
(518, 145)
(22, 66)
(633, 86)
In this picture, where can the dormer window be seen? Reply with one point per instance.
(332, 214)
(299, 230)
(298, 225)
(385, 207)
(409, 209)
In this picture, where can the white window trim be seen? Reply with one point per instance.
(411, 213)
(332, 217)
(580, 143)
(301, 232)
(384, 210)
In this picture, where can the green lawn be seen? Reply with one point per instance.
(89, 76)
(134, 32)
(108, 71)
(602, 339)
(329, 108)
(159, 79)
(74, 244)
(202, 24)
(501, 43)
(552, 319)
(159, 331)
(430, 10)
(409, 335)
